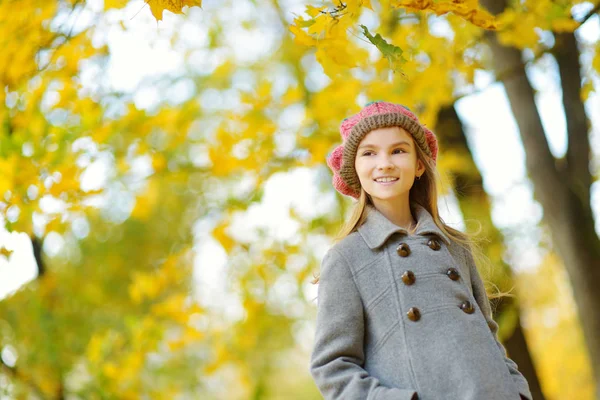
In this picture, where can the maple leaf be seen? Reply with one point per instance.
(175, 6)
(389, 51)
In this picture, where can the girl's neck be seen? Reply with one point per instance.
(397, 212)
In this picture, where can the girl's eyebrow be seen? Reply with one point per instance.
(376, 147)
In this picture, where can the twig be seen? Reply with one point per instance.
(590, 14)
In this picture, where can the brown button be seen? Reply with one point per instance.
(414, 314)
(408, 277)
(453, 274)
(434, 244)
(403, 250)
(467, 307)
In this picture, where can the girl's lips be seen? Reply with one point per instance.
(387, 183)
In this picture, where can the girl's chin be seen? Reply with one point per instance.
(385, 194)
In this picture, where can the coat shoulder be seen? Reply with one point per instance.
(457, 251)
(354, 251)
(349, 245)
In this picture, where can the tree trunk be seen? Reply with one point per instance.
(566, 54)
(561, 186)
(36, 245)
(475, 204)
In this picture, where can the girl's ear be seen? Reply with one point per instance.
(420, 167)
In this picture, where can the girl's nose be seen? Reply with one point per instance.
(385, 162)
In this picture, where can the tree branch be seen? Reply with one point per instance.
(36, 244)
(567, 54)
(589, 14)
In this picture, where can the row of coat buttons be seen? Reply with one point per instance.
(408, 277)
(414, 314)
(403, 249)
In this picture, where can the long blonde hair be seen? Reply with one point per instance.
(424, 192)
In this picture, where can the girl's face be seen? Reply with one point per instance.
(388, 152)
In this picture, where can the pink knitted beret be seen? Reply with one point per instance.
(374, 115)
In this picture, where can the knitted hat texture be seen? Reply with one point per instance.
(375, 115)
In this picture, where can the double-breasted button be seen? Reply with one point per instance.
(414, 314)
(434, 244)
(453, 274)
(408, 277)
(403, 250)
(467, 307)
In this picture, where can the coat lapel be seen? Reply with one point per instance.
(377, 229)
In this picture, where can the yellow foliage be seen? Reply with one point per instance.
(146, 201)
(551, 322)
(173, 308)
(109, 4)
(564, 25)
(94, 348)
(318, 148)
(110, 370)
(143, 286)
(5, 252)
(175, 6)
(314, 11)
(222, 237)
(69, 181)
(301, 37)
(48, 384)
(328, 32)
(150, 285)
(8, 168)
(189, 336)
(453, 161)
(467, 9)
(292, 95)
(518, 29)
(588, 87)
(596, 60)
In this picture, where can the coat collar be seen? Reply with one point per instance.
(377, 228)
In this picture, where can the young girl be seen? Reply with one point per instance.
(402, 310)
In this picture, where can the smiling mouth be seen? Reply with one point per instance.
(387, 180)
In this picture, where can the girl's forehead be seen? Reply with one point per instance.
(386, 135)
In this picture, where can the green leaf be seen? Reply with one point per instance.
(389, 51)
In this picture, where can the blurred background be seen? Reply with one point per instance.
(165, 202)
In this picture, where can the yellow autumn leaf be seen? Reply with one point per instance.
(144, 286)
(8, 168)
(110, 370)
(314, 11)
(108, 4)
(301, 37)
(564, 25)
(320, 26)
(466, 9)
(146, 202)
(291, 96)
(367, 4)
(173, 308)
(596, 60)
(5, 252)
(219, 233)
(588, 87)
(175, 6)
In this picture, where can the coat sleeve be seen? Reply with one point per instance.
(338, 356)
(484, 304)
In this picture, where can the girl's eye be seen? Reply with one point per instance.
(368, 152)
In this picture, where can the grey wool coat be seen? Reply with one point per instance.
(402, 317)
